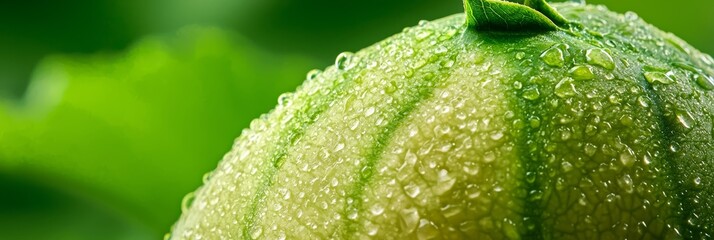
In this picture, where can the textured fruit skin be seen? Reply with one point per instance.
(602, 131)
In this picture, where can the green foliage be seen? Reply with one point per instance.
(507, 16)
(135, 131)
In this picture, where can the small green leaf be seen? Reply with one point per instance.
(499, 15)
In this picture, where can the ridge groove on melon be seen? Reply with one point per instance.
(304, 120)
(431, 77)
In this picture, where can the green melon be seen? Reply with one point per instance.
(596, 127)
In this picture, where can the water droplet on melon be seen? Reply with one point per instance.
(412, 190)
(427, 230)
(312, 74)
(444, 184)
(658, 77)
(565, 88)
(553, 57)
(631, 16)
(600, 57)
(697, 181)
(372, 229)
(531, 94)
(421, 34)
(704, 81)
(376, 209)
(284, 99)
(256, 233)
(410, 219)
(627, 158)
(344, 61)
(685, 119)
(187, 201)
(517, 85)
(626, 183)
(581, 73)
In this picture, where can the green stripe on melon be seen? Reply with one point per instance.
(601, 131)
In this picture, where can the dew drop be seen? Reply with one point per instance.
(444, 184)
(531, 94)
(339, 147)
(627, 158)
(256, 233)
(410, 158)
(344, 61)
(412, 190)
(581, 73)
(423, 33)
(535, 195)
(565, 88)
(599, 57)
(410, 219)
(626, 183)
(187, 201)
(631, 16)
(685, 119)
(489, 157)
(497, 136)
(567, 166)
(207, 177)
(376, 209)
(369, 111)
(590, 149)
(471, 168)
(704, 81)
(520, 55)
(284, 99)
(553, 57)
(534, 122)
(517, 85)
(427, 230)
(372, 229)
(353, 215)
(530, 177)
(697, 181)
(312, 74)
(610, 197)
(658, 77)
(643, 101)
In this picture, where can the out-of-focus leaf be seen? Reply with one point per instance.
(137, 130)
(41, 212)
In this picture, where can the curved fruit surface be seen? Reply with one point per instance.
(603, 130)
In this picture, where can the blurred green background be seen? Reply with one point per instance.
(112, 111)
